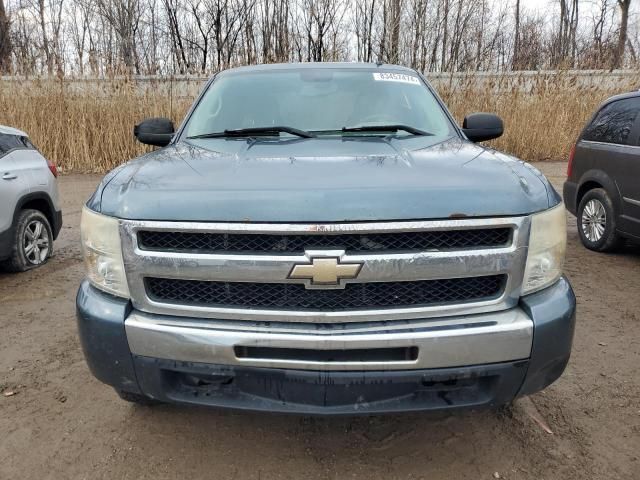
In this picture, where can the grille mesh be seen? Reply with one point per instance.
(297, 297)
(239, 242)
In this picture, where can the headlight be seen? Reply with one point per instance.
(102, 252)
(547, 246)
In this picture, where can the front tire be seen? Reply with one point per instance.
(32, 243)
(597, 222)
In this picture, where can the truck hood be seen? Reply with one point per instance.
(322, 180)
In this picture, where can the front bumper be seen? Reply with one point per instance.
(487, 360)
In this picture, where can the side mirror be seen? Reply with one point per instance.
(154, 131)
(479, 127)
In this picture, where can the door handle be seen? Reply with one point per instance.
(9, 176)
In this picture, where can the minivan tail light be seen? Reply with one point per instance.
(53, 168)
(572, 153)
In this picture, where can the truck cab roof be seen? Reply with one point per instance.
(319, 65)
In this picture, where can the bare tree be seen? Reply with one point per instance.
(564, 48)
(123, 16)
(275, 32)
(79, 29)
(228, 17)
(394, 43)
(319, 18)
(516, 38)
(622, 37)
(5, 40)
(103, 37)
(178, 44)
(364, 19)
(419, 37)
(445, 34)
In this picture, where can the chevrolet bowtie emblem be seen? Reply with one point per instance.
(325, 271)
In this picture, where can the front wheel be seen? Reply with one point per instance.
(597, 222)
(33, 242)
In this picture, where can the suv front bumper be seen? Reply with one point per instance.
(487, 360)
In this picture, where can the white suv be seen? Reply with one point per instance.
(30, 216)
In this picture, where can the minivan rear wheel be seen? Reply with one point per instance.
(597, 222)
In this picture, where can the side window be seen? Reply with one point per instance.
(13, 142)
(28, 144)
(614, 123)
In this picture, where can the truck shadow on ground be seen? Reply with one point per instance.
(344, 447)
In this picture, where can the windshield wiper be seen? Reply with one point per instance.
(386, 128)
(255, 131)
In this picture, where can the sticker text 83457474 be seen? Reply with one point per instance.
(395, 77)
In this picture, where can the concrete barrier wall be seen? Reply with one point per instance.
(190, 85)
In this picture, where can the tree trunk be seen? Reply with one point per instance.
(5, 41)
(618, 57)
(516, 44)
(394, 56)
(383, 36)
(445, 34)
(45, 38)
(369, 55)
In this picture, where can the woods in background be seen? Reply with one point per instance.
(147, 37)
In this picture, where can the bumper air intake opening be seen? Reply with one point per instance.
(398, 354)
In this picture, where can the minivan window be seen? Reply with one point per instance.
(614, 122)
(322, 101)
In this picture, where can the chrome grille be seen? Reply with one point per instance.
(412, 270)
(358, 242)
(297, 297)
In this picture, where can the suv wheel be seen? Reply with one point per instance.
(33, 242)
(597, 222)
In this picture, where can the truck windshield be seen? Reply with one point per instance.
(321, 101)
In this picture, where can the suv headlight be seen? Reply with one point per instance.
(102, 252)
(547, 246)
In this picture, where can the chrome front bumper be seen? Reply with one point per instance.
(449, 342)
(538, 331)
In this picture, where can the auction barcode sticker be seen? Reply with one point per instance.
(395, 77)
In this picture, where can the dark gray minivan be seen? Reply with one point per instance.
(603, 177)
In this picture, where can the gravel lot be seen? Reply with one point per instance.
(62, 423)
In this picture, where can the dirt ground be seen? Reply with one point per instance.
(62, 423)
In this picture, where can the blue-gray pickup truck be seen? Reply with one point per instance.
(324, 239)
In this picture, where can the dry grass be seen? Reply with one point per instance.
(84, 132)
(92, 132)
(543, 116)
